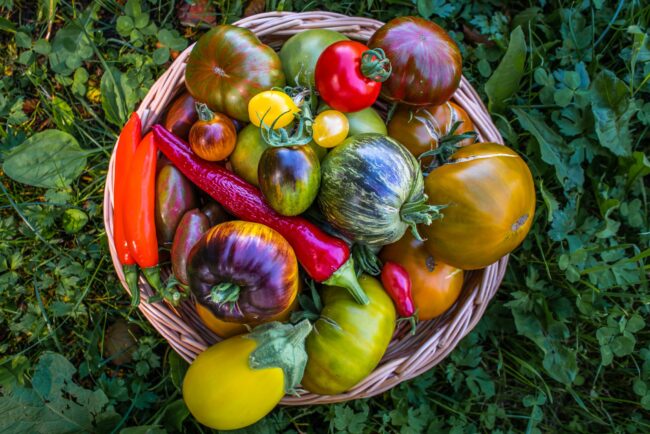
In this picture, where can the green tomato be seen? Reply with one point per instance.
(301, 52)
(349, 339)
(248, 151)
(363, 121)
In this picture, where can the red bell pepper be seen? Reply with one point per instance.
(326, 259)
(139, 210)
(126, 145)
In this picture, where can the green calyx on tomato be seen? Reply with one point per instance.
(300, 53)
(349, 339)
(228, 66)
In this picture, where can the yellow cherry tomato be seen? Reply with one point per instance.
(271, 105)
(237, 382)
(330, 128)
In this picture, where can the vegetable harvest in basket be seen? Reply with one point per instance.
(301, 223)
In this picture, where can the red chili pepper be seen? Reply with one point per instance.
(397, 284)
(326, 259)
(126, 145)
(139, 213)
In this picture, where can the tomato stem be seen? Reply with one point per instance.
(418, 211)
(366, 259)
(225, 293)
(375, 65)
(204, 112)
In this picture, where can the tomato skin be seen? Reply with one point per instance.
(330, 128)
(490, 195)
(228, 66)
(435, 286)
(275, 107)
(301, 52)
(349, 339)
(181, 115)
(426, 62)
(214, 139)
(419, 129)
(339, 79)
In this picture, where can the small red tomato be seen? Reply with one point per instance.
(348, 75)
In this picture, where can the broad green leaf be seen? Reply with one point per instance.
(48, 159)
(177, 369)
(504, 82)
(612, 109)
(114, 97)
(74, 220)
(55, 403)
(175, 414)
(62, 114)
(71, 45)
(638, 169)
(144, 429)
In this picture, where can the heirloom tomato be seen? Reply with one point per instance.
(490, 198)
(181, 115)
(349, 339)
(238, 381)
(228, 66)
(435, 286)
(301, 52)
(330, 128)
(272, 108)
(363, 121)
(213, 136)
(420, 128)
(426, 62)
(349, 75)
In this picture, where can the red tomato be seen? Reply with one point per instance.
(348, 80)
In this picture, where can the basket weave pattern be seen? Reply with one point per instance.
(408, 355)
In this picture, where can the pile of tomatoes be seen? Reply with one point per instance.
(302, 222)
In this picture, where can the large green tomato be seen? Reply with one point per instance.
(349, 339)
(228, 66)
(301, 52)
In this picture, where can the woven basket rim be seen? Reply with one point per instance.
(408, 355)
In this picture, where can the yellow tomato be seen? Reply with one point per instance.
(237, 382)
(272, 106)
(330, 128)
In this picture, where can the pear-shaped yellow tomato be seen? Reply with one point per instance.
(330, 128)
(490, 198)
(237, 382)
(272, 108)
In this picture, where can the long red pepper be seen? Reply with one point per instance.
(397, 283)
(326, 259)
(139, 215)
(127, 143)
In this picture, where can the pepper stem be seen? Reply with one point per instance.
(375, 65)
(418, 211)
(281, 346)
(225, 293)
(131, 277)
(204, 112)
(152, 275)
(345, 277)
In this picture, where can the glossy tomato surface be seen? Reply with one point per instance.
(339, 79)
(420, 128)
(181, 115)
(228, 66)
(490, 198)
(435, 286)
(426, 63)
(349, 339)
(214, 139)
(301, 52)
(330, 128)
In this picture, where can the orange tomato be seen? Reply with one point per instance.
(225, 329)
(420, 129)
(435, 286)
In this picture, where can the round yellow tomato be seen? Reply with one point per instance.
(330, 128)
(490, 198)
(435, 286)
(237, 382)
(272, 107)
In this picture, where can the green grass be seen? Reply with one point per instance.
(564, 346)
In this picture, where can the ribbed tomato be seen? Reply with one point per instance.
(490, 198)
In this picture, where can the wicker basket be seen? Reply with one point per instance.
(408, 355)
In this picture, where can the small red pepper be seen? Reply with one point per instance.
(326, 259)
(139, 213)
(127, 143)
(397, 284)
